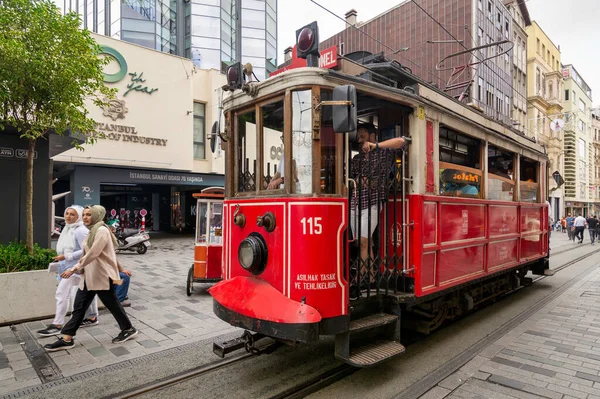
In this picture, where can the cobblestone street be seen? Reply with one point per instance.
(160, 309)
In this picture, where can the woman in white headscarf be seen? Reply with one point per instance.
(69, 249)
(100, 274)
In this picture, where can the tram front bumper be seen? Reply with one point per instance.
(253, 304)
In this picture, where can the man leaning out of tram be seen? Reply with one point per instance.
(371, 168)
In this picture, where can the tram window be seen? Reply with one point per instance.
(501, 184)
(328, 149)
(302, 141)
(246, 151)
(201, 222)
(272, 136)
(216, 222)
(529, 180)
(460, 165)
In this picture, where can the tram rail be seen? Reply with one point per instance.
(341, 372)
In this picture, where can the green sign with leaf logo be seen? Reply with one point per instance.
(137, 81)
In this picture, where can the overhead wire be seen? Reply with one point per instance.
(465, 47)
(395, 51)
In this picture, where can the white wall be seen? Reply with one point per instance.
(163, 120)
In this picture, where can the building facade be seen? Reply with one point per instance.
(544, 105)
(213, 33)
(520, 21)
(151, 150)
(418, 42)
(595, 132)
(578, 144)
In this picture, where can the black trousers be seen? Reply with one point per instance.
(84, 299)
(579, 232)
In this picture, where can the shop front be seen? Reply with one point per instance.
(165, 197)
(578, 208)
(150, 152)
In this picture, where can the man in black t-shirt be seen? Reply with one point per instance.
(592, 223)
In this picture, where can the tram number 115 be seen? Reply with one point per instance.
(312, 225)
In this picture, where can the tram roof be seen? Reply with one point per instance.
(424, 95)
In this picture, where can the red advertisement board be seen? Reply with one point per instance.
(328, 59)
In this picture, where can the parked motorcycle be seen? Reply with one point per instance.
(136, 240)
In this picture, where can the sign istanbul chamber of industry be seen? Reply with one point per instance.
(116, 108)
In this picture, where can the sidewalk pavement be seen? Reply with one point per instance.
(555, 353)
(160, 309)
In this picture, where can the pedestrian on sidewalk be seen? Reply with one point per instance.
(100, 273)
(570, 227)
(563, 224)
(579, 224)
(121, 290)
(69, 249)
(592, 223)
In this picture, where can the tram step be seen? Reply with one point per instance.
(374, 353)
(373, 321)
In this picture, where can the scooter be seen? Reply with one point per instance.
(136, 241)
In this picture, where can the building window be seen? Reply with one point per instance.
(480, 5)
(581, 129)
(581, 105)
(566, 95)
(506, 28)
(574, 99)
(537, 46)
(479, 36)
(480, 90)
(199, 131)
(544, 52)
(550, 90)
(490, 11)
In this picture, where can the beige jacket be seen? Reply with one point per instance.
(99, 263)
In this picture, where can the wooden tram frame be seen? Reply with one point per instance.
(435, 287)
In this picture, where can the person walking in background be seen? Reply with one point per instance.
(579, 225)
(592, 223)
(570, 227)
(69, 249)
(100, 273)
(563, 224)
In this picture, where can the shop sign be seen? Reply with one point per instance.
(16, 153)
(165, 177)
(137, 80)
(124, 133)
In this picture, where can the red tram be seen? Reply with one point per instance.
(460, 213)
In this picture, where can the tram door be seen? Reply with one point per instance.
(376, 213)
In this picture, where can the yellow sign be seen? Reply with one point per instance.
(465, 177)
(421, 113)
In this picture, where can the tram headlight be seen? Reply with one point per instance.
(252, 253)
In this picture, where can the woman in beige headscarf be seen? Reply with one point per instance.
(100, 273)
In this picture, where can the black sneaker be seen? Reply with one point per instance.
(125, 335)
(60, 344)
(89, 322)
(49, 331)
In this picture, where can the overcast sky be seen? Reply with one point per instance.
(574, 25)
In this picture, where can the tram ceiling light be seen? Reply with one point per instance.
(307, 44)
(253, 253)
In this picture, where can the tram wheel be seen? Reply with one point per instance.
(190, 282)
